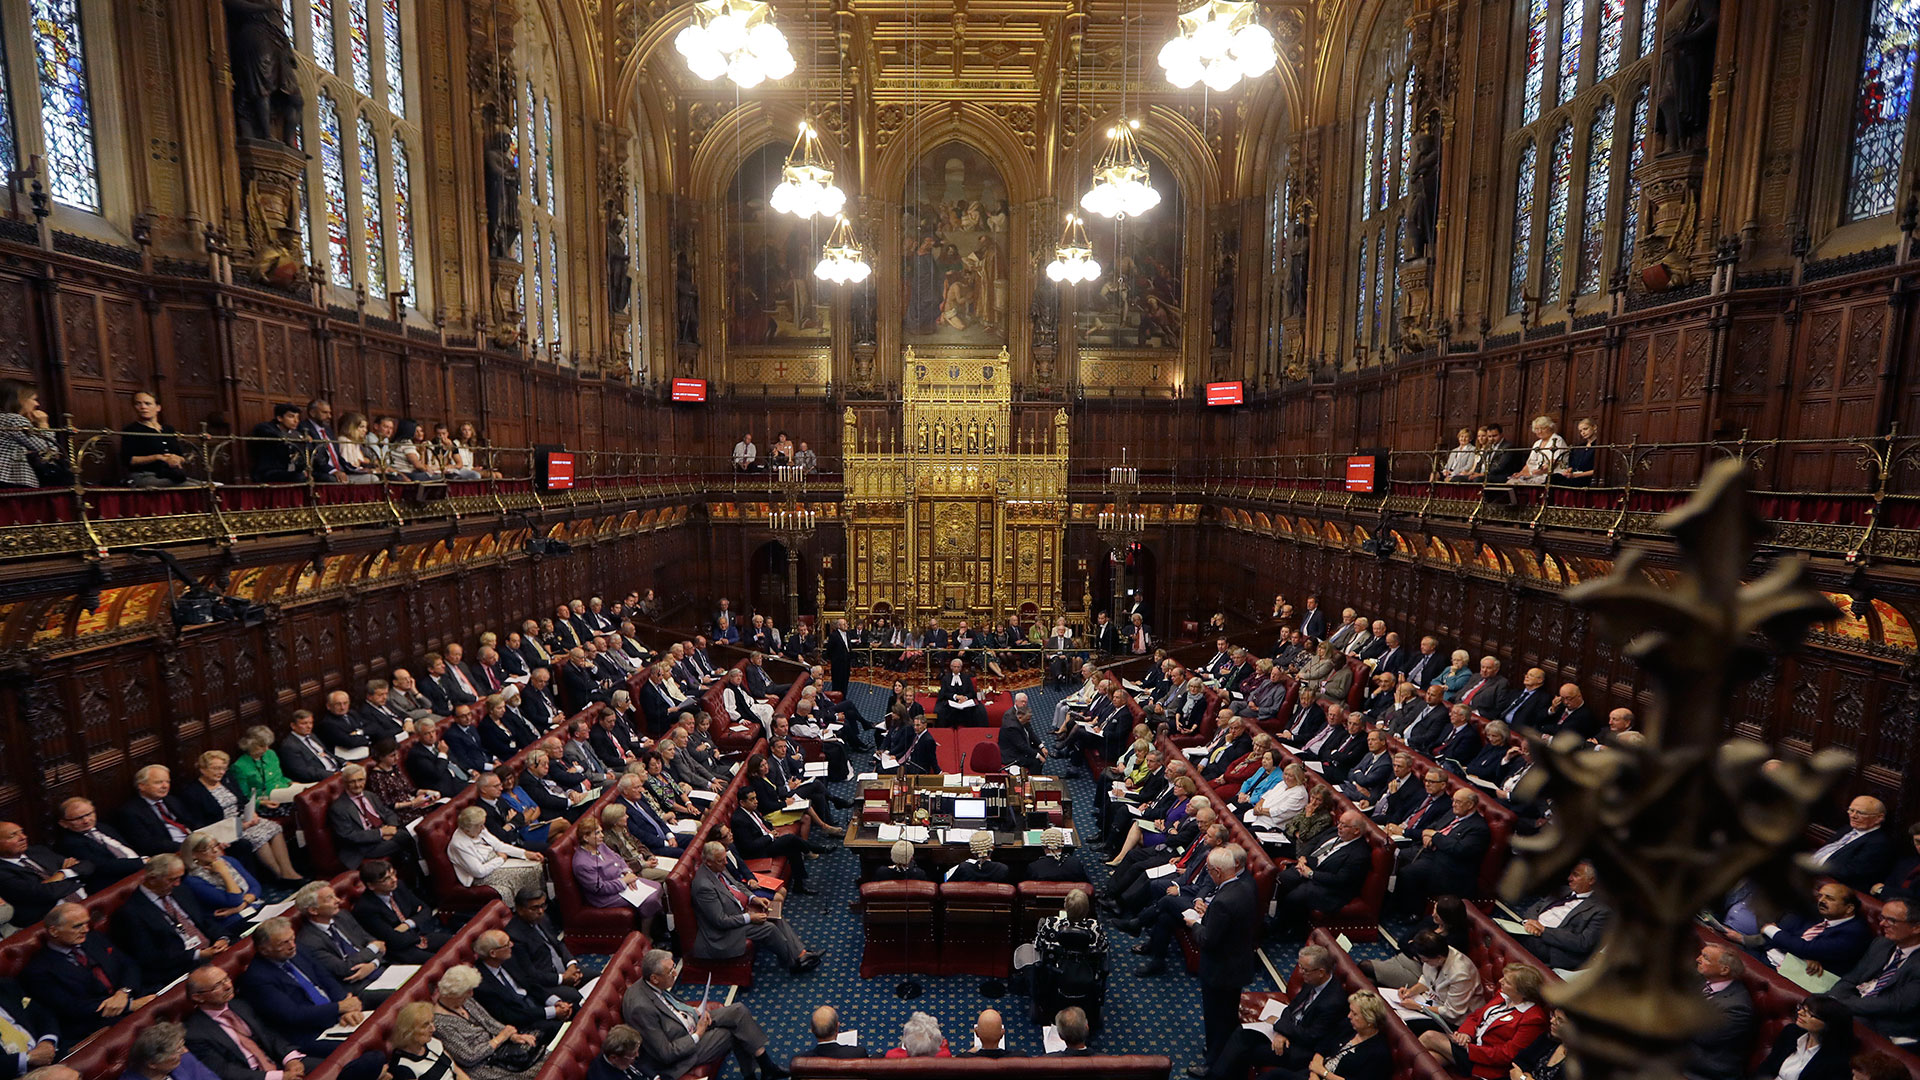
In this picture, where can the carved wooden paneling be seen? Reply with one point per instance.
(1836, 392)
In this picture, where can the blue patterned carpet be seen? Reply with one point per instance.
(1143, 1015)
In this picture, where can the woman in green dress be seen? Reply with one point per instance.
(257, 772)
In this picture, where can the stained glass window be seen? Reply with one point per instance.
(1613, 26)
(1393, 295)
(1536, 61)
(403, 213)
(1572, 15)
(1634, 156)
(1379, 281)
(372, 225)
(1388, 145)
(1366, 177)
(1406, 130)
(333, 174)
(1522, 229)
(539, 309)
(533, 147)
(1593, 212)
(286, 17)
(360, 46)
(396, 73)
(323, 51)
(1553, 250)
(546, 151)
(66, 113)
(1881, 107)
(9, 148)
(553, 284)
(1360, 306)
(1649, 25)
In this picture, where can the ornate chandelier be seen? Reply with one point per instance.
(806, 182)
(1121, 187)
(1220, 42)
(1073, 260)
(735, 38)
(842, 260)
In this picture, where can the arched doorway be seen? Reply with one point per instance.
(1124, 578)
(767, 575)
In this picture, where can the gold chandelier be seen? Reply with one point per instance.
(1121, 187)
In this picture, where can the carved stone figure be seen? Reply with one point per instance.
(619, 272)
(686, 303)
(264, 87)
(1045, 313)
(1424, 185)
(861, 309)
(1222, 324)
(1686, 74)
(503, 198)
(1297, 265)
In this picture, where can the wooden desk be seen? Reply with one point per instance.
(1009, 843)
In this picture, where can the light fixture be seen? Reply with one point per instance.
(1121, 187)
(1073, 260)
(1219, 43)
(806, 181)
(735, 38)
(842, 260)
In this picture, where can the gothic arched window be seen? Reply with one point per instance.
(1883, 103)
(542, 210)
(1576, 73)
(1384, 127)
(51, 54)
(354, 68)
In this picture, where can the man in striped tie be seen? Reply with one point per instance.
(1883, 989)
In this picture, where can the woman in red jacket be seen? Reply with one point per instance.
(1487, 1039)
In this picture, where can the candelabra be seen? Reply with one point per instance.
(792, 523)
(1126, 524)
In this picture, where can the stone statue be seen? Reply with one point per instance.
(1045, 313)
(619, 270)
(686, 303)
(1424, 185)
(1297, 265)
(862, 313)
(264, 87)
(503, 198)
(1686, 74)
(920, 441)
(1222, 325)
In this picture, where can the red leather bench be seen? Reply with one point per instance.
(589, 929)
(737, 971)
(1410, 1060)
(18, 947)
(569, 1058)
(1092, 1067)
(310, 822)
(902, 933)
(1500, 822)
(1042, 899)
(976, 929)
(1259, 863)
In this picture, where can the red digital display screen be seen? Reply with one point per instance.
(689, 389)
(559, 470)
(1226, 393)
(1362, 473)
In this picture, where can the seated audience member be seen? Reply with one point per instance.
(209, 799)
(160, 1052)
(1019, 744)
(1305, 828)
(613, 817)
(229, 1037)
(163, 927)
(33, 879)
(1489, 1038)
(1883, 989)
(363, 825)
(34, 1038)
(486, 1048)
(1565, 929)
(1448, 862)
(335, 940)
(1835, 942)
(341, 728)
(256, 773)
(152, 454)
(508, 822)
(1460, 742)
(1330, 874)
(509, 992)
(293, 994)
(1315, 1023)
(1446, 985)
(1430, 805)
(619, 1057)
(729, 916)
(1569, 712)
(1069, 950)
(1861, 856)
(388, 779)
(1055, 863)
(758, 841)
(428, 762)
(677, 1038)
(1722, 1052)
(825, 1026)
(390, 911)
(980, 864)
(603, 875)
(224, 888)
(1070, 1024)
(1818, 1045)
(1901, 883)
(538, 948)
(483, 860)
(1498, 758)
(1282, 801)
(81, 977)
(278, 454)
(920, 1038)
(1619, 729)
(900, 865)
(990, 1031)
(83, 837)
(1163, 904)
(1453, 679)
(647, 825)
(413, 1051)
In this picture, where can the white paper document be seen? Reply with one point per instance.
(639, 892)
(889, 833)
(815, 768)
(686, 826)
(953, 779)
(1163, 870)
(849, 1037)
(1050, 1038)
(394, 977)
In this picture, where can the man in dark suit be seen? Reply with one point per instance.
(1328, 877)
(163, 927)
(991, 1031)
(504, 820)
(279, 455)
(1106, 636)
(294, 995)
(1883, 989)
(512, 660)
(39, 1032)
(389, 911)
(1396, 795)
(1017, 742)
(337, 942)
(1461, 741)
(461, 733)
(1485, 693)
(303, 756)
(339, 726)
(363, 825)
(1426, 665)
(1367, 778)
(1227, 936)
(226, 1034)
(1832, 943)
(532, 652)
(923, 753)
(1055, 863)
(1428, 807)
(758, 841)
(507, 990)
(825, 1024)
(34, 878)
(1392, 658)
(1448, 863)
(1721, 1053)
(1433, 722)
(1862, 855)
(82, 977)
(1569, 712)
(1528, 706)
(154, 821)
(1313, 623)
(980, 865)
(619, 1057)
(1313, 1022)
(578, 687)
(1163, 903)
(98, 846)
(538, 951)
(1565, 929)
(379, 715)
(566, 635)
(428, 765)
(838, 650)
(537, 701)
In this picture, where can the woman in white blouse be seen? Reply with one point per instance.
(483, 859)
(1283, 800)
(1460, 462)
(1448, 985)
(1549, 450)
(1816, 1046)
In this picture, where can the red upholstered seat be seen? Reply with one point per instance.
(738, 970)
(900, 931)
(18, 947)
(589, 929)
(1094, 1067)
(433, 835)
(1410, 1060)
(984, 759)
(600, 1011)
(310, 818)
(1491, 949)
(1040, 900)
(976, 929)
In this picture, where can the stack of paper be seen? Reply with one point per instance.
(639, 892)
(918, 834)
(815, 768)
(394, 977)
(889, 833)
(888, 761)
